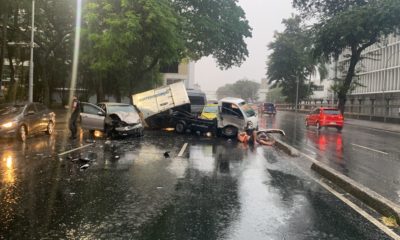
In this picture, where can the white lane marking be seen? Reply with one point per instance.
(73, 150)
(371, 149)
(182, 150)
(349, 203)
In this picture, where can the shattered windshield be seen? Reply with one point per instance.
(247, 109)
(120, 108)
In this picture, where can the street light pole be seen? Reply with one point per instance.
(297, 92)
(31, 58)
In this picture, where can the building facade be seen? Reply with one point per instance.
(184, 71)
(377, 88)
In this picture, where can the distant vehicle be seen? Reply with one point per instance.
(210, 111)
(114, 119)
(269, 108)
(325, 117)
(197, 100)
(22, 119)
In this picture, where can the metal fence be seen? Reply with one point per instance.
(375, 112)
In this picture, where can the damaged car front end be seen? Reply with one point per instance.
(119, 124)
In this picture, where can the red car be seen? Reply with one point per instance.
(325, 117)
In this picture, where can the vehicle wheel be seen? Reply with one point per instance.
(50, 128)
(318, 126)
(180, 127)
(339, 129)
(229, 131)
(22, 133)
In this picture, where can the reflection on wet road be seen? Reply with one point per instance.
(369, 156)
(218, 189)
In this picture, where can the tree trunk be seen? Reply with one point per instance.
(344, 89)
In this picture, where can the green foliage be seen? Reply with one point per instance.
(245, 89)
(290, 60)
(124, 42)
(214, 27)
(350, 26)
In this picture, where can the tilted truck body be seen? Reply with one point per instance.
(155, 104)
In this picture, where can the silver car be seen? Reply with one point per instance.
(22, 119)
(114, 119)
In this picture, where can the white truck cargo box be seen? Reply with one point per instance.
(161, 99)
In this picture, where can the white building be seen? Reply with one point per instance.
(183, 71)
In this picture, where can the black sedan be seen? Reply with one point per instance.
(22, 119)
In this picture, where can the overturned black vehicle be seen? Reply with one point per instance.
(114, 119)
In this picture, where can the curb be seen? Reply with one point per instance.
(371, 198)
(374, 200)
(287, 148)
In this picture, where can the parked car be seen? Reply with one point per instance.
(325, 117)
(210, 111)
(269, 108)
(22, 119)
(114, 119)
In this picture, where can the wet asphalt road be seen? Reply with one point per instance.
(369, 156)
(218, 189)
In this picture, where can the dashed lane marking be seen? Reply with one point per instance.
(182, 150)
(75, 149)
(371, 149)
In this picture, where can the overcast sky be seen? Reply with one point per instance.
(265, 17)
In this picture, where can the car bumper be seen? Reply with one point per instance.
(136, 130)
(332, 123)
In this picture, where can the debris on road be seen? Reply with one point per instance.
(85, 166)
(166, 154)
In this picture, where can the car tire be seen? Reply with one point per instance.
(229, 131)
(22, 133)
(339, 129)
(180, 127)
(50, 128)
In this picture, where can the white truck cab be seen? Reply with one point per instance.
(234, 115)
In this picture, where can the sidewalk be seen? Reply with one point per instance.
(372, 124)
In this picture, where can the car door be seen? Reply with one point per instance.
(92, 117)
(32, 118)
(231, 115)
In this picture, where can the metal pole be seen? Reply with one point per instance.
(297, 92)
(31, 59)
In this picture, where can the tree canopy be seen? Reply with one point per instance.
(349, 27)
(290, 60)
(245, 89)
(124, 42)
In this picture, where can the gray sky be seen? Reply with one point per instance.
(264, 16)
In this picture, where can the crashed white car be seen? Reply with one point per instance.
(114, 119)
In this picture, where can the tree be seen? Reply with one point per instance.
(245, 89)
(214, 27)
(290, 60)
(349, 28)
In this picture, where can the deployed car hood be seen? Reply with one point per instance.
(128, 117)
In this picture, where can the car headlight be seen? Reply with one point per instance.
(8, 125)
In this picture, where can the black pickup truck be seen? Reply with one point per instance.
(185, 121)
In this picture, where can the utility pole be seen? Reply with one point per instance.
(31, 59)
